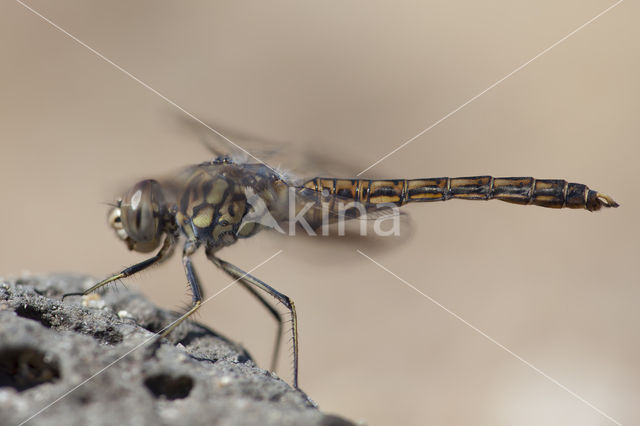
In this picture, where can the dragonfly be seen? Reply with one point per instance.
(214, 204)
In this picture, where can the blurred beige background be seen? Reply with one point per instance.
(356, 79)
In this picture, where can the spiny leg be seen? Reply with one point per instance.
(196, 290)
(274, 312)
(247, 279)
(163, 253)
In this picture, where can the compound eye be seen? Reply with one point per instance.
(140, 212)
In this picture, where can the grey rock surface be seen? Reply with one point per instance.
(95, 361)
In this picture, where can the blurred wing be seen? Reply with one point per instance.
(240, 147)
(299, 159)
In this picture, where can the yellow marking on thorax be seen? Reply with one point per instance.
(204, 217)
(217, 191)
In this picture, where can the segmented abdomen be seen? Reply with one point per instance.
(554, 193)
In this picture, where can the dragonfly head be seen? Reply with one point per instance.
(137, 219)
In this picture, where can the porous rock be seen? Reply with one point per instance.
(97, 361)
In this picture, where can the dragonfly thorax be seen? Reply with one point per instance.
(138, 217)
(222, 202)
(211, 209)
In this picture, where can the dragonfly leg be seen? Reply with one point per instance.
(164, 252)
(248, 281)
(194, 283)
(274, 312)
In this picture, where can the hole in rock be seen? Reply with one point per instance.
(24, 368)
(168, 386)
(33, 313)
